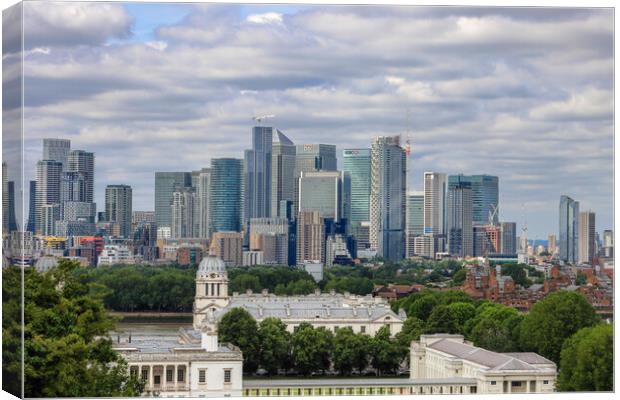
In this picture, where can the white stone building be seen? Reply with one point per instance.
(450, 356)
(193, 364)
(362, 313)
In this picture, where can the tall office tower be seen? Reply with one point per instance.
(552, 247)
(310, 237)
(321, 191)
(257, 171)
(485, 196)
(50, 215)
(415, 220)
(283, 153)
(201, 215)
(83, 162)
(5, 199)
(357, 163)
(312, 158)
(77, 211)
(608, 243)
(182, 209)
(509, 238)
(165, 184)
(47, 188)
(569, 229)
(57, 150)
(32, 201)
(587, 232)
(388, 188)
(12, 221)
(459, 221)
(225, 194)
(434, 203)
(118, 203)
(229, 247)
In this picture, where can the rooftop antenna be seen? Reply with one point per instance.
(524, 229)
(408, 145)
(260, 118)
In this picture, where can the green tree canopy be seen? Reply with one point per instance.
(275, 345)
(495, 327)
(312, 348)
(68, 352)
(345, 351)
(554, 319)
(238, 327)
(518, 273)
(450, 318)
(586, 360)
(386, 354)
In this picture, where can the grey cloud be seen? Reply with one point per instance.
(524, 94)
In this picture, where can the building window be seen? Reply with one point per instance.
(473, 389)
(169, 375)
(202, 376)
(157, 379)
(227, 376)
(515, 383)
(145, 374)
(493, 382)
(363, 329)
(545, 382)
(180, 375)
(206, 289)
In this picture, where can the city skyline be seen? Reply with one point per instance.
(506, 111)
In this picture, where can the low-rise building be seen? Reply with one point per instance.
(450, 356)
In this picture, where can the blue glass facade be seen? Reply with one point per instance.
(484, 194)
(225, 194)
(569, 229)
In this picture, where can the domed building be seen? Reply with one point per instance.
(365, 314)
(211, 288)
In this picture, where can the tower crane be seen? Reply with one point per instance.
(260, 118)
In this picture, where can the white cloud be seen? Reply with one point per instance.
(266, 18)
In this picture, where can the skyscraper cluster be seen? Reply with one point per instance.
(288, 203)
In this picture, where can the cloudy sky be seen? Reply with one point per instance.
(525, 94)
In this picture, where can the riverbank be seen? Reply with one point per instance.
(152, 316)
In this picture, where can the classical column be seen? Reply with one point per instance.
(527, 386)
(151, 381)
(509, 386)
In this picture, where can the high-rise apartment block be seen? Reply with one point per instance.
(47, 190)
(434, 203)
(388, 174)
(229, 247)
(587, 232)
(118, 207)
(310, 237)
(182, 210)
(569, 229)
(415, 220)
(83, 163)
(56, 150)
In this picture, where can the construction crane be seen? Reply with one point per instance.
(493, 213)
(260, 118)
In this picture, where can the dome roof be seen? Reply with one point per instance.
(46, 263)
(211, 264)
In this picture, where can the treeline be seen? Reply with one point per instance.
(281, 280)
(309, 350)
(143, 287)
(563, 327)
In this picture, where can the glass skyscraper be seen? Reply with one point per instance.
(118, 207)
(225, 194)
(459, 212)
(282, 172)
(357, 163)
(165, 185)
(569, 229)
(484, 195)
(311, 158)
(258, 174)
(388, 171)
